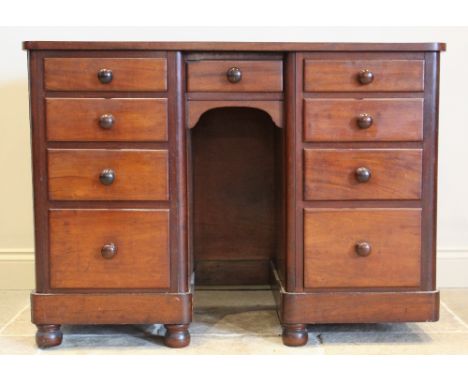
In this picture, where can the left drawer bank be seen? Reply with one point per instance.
(106, 195)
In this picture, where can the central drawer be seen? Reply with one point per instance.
(235, 76)
(109, 248)
(108, 174)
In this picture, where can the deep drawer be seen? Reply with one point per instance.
(117, 74)
(330, 120)
(357, 174)
(352, 248)
(99, 119)
(109, 248)
(252, 76)
(363, 75)
(108, 174)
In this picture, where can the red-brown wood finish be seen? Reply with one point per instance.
(201, 168)
(338, 120)
(234, 202)
(331, 259)
(78, 119)
(331, 174)
(78, 239)
(74, 174)
(256, 76)
(111, 308)
(129, 74)
(343, 75)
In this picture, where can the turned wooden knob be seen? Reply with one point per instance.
(107, 176)
(363, 174)
(364, 121)
(363, 248)
(234, 75)
(106, 121)
(365, 76)
(105, 76)
(108, 251)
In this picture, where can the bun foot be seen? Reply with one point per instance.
(48, 336)
(295, 334)
(177, 336)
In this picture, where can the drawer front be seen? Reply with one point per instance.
(99, 119)
(108, 174)
(353, 174)
(362, 248)
(109, 248)
(256, 76)
(128, 74)
(344, 75)
(331, 120)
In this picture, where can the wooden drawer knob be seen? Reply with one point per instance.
(365, 121)
(234, 75)
(363, 174)
(105, 76)
(108, 251)
(106, 121)
(365, 76)
(107, 176)
(363, 248)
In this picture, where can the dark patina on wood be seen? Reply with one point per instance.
(156, 163)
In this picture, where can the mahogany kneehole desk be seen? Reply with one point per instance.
(160, 165)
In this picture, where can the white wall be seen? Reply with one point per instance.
(16, 223)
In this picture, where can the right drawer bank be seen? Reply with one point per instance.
(365, 144)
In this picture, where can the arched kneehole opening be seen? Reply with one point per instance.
(237, 187)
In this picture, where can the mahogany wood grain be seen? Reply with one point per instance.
(141, 238)
(129, 74)
(234, 209)
(77, 119)
(111, 308)
(342, 75)
(39, 169)
(401, 155)
(257, 76)
(360, 307)
(329, 174)
(330, 120)
(324, 307)
(332, 261)
(140, 174)
(195, 109)
(231, 46)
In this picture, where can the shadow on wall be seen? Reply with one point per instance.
(16, 218)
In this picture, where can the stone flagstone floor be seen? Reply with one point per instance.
(242, 322)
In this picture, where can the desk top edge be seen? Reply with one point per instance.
(231, 46)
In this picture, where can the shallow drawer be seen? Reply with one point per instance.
(353, 174)
(363, 75)
(363, 120)
(108, 174)
(109, 248)
(235, 76)
(362, 248)
(104, 74)
(99, 119)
